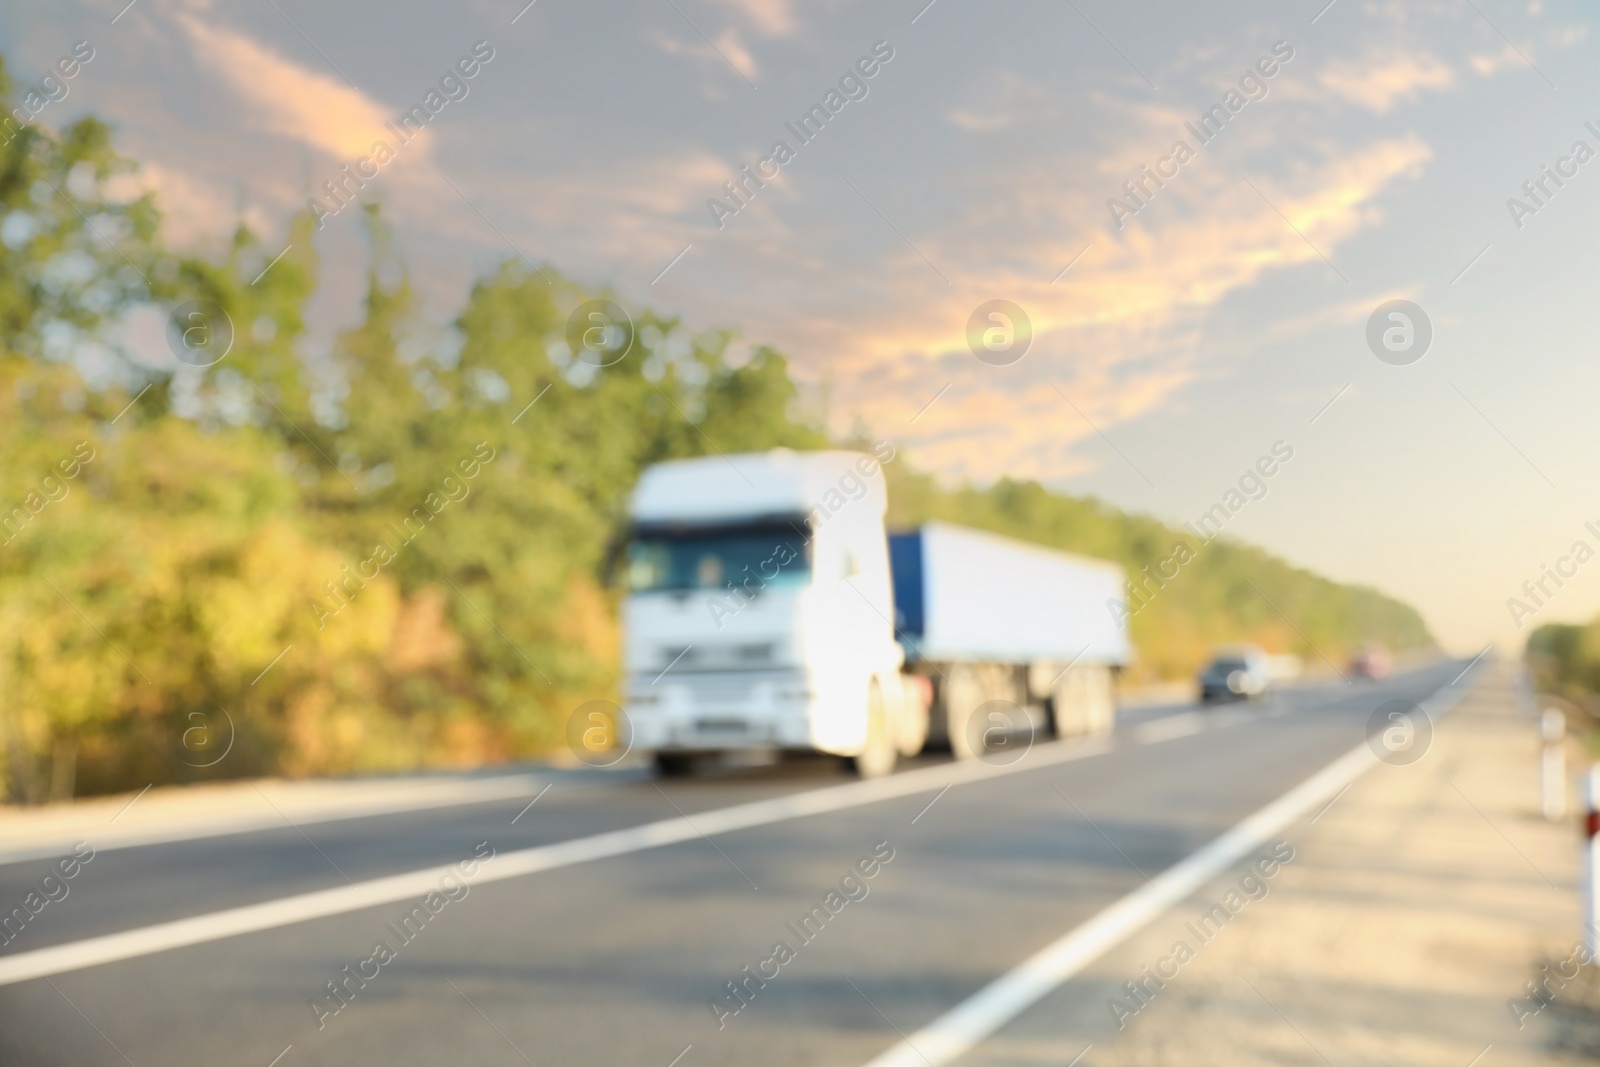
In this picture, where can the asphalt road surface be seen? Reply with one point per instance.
(618, 959)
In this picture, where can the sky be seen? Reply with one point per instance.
(1180, 332)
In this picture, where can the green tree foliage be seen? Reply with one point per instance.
(1225, 592)
(1565, 660)
(394, 555)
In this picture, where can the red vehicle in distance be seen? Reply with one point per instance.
(1371, 660)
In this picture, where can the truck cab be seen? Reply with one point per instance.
(758, 613)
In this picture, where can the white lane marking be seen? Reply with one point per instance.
(286, 911)
(1165, 729)
(403, 797)
(958, 1030)
(303, 907)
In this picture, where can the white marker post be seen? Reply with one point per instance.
(1553, 765)
(1591, 860)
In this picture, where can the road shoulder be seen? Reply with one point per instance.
(1403, 930)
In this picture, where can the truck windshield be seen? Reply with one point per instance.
(747, 557)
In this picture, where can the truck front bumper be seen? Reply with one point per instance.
(718, 711)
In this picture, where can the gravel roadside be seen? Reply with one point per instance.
(1405, 929)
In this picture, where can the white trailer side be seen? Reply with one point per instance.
(993, 621)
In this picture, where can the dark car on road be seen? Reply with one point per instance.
(1234, 674)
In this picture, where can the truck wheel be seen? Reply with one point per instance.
(1068, 703)
(878, 757)
(916, 696)
(1084, 703)
(962, 695)
(1108, 703)
(674, 764)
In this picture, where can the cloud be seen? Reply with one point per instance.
(1208, 236)
(1379, 84)
(1007, 101)
(712, 60)
(772, 18)
(1490, 63)
(732, 48)
(326, 114)
(1569, 36)
(988, 421)
(318, 109)
(607, 188)
(1122, 334)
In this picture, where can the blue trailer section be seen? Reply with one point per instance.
(905, 567)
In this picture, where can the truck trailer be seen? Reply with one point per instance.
(1014, 637)
(763, 613)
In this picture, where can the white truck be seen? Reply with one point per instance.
(761, 615)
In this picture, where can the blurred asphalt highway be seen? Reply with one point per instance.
(613, 961)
